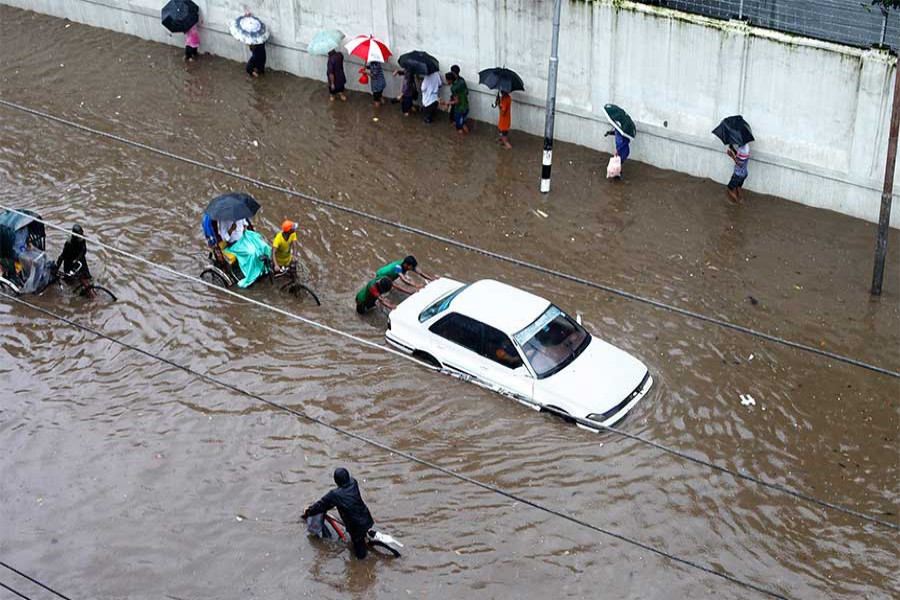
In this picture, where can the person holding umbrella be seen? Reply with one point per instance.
(337, 80)
(256, 66)
(414, 63)
(377, 82)
(505, 81)
(624, 130)
(253, 32)
(735, 133)
(374, 53)
(503, 103)
(191, 44)
(326, 43)
(182, 16)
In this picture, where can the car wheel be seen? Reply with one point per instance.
(427, 358)
(558, 412)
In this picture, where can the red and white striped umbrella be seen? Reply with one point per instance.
(368, 48)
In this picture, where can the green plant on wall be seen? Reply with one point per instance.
(883, 4)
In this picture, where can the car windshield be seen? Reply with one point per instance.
(553, 341)
(439, 305)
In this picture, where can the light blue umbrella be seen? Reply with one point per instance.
(325, 41)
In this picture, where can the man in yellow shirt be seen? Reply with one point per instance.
(284, 245)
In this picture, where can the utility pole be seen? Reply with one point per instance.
(884, 218)
(547, 162)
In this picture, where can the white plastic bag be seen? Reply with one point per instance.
(614, 168)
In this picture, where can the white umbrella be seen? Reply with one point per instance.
(249, 30)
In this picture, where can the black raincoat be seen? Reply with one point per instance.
(346, 498)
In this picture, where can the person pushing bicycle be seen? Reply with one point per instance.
(284, 245)
(73, 258)
(350, 505)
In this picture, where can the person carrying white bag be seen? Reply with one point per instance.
(614, 168)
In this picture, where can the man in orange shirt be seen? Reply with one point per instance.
(504, 104)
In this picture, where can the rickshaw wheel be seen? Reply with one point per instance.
(7, 288)
(213, 276)
(299, 290)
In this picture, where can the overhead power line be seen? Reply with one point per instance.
(409, 456)
(370, 344)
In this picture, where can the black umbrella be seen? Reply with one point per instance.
(178, 16)
(734, 130)
(502, 79)
(232, 207)
(420, 63)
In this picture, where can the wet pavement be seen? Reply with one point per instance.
(123, 477)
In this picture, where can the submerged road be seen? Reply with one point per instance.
(124, 477)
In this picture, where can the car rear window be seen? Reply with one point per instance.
(439, 305)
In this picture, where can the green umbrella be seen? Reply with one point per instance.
(620, 120)
(325, 41)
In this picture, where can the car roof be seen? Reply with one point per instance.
(499, 305)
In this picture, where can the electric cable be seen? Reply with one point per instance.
(406, 455)
(19, 594)
(558, 412)
(452, 242)
(34, 581)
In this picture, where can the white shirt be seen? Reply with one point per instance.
(430, 86)
(230, 238)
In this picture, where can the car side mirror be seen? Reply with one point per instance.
(578, 318)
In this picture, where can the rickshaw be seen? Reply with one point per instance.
(23, 263)
(24, 266)
(223, 214)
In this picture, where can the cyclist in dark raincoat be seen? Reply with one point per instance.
(74, 255)
(349, 503)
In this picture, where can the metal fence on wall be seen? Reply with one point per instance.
(844, 21)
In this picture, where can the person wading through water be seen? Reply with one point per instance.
(349, 503)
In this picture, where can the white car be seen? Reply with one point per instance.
(520, 345)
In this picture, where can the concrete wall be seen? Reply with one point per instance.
(820, 111)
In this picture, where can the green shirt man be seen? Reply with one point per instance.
(372, 292)
(398, 269)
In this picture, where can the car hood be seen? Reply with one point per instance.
(600, 378)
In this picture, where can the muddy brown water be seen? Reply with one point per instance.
(125, 478)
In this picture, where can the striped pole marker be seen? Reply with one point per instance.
(547, 161)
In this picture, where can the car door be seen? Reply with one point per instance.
(470, 349)
(507, 371)
(458, 344)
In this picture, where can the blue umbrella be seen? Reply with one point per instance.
(232, 207)
(325, 41)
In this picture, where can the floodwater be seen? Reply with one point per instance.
(122, 477)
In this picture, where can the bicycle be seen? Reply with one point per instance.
(328, 527)
(294, 285)
(84, 286)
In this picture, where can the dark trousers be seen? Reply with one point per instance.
(191, 52)
(429, 112)
(360, 547)
(257, 60)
